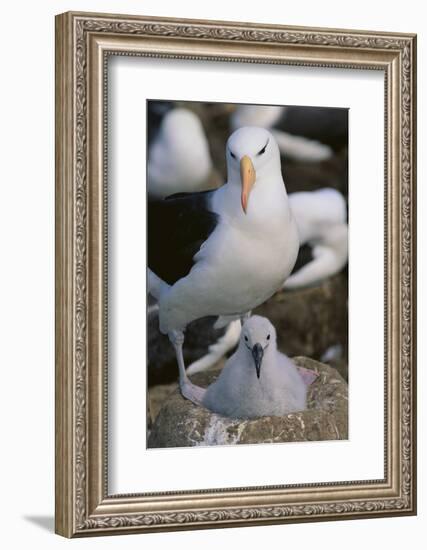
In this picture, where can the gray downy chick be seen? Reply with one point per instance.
(257, 380)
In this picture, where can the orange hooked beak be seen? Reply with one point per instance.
(247, 177)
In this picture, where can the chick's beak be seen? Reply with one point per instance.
(257, 354)
(247, 177)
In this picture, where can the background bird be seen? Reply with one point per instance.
(274, 118)
(179, 159)
(258, 380)
(222, 252)
(321, 218)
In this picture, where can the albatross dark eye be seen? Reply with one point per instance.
(232, 155)
(246, 338)
(263, 149)
(268, 337)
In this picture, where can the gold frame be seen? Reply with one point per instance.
(83, 43)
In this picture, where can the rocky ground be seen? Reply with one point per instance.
(180, 423)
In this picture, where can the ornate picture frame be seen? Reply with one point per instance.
(83, 44)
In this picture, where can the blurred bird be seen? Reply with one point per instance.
(222, 252)
(218, 349)
(274, 119)
(327, 125)
(258, 380)
(321, 217)
(179, 159)
(265, 116)
(156, 111)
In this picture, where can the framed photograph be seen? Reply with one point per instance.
(235, 274)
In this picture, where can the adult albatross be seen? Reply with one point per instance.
(222, 252)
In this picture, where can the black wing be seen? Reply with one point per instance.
(176, 228)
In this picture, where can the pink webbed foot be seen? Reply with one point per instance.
(308, 375)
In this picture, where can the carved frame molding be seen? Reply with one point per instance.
(83, 44)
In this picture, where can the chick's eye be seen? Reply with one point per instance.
(246, 338)
(268, 337)
(232, 155)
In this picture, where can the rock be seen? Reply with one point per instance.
(310, 320)
(157, 395)
(180, 423)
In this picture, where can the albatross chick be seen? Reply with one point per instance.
(258, 380)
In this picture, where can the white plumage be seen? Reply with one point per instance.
(257, 380)
(264, 116)
(249, 255)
